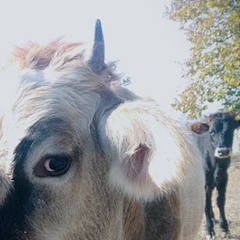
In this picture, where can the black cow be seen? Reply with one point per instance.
(215, 139)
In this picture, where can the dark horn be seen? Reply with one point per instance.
(96, 61)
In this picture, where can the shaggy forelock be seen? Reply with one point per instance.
(58, 55)
(52, 73)
(55, 83)
(39, 56)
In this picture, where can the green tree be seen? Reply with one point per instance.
(213, 68)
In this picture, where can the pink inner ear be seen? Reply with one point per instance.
(199, 128)
(136, 164)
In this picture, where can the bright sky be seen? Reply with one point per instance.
(147, 45)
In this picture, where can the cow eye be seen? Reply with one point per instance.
(52, 166)
(212, 133)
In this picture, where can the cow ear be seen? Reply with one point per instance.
(199, 128)
(237, 119)
(96, 60)
(232, 114)
(136, 145)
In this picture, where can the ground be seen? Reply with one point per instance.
(232, 204)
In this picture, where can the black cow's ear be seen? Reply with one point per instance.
(96, 60)
(236, 116)
(199, 128)
(238, 124)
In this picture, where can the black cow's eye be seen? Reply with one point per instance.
(52, 165)
(212, 133)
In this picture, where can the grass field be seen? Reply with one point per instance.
(232, 204)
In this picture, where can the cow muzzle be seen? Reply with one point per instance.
(222, 152)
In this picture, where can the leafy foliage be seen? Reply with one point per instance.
(213, 69)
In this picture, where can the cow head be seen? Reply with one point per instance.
(220, 126)
(74, 148)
